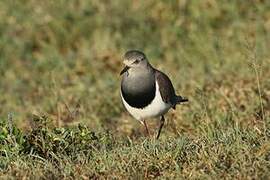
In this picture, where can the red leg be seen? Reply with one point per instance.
(146, 128)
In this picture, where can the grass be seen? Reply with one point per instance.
(61, 114)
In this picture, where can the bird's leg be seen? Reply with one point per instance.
(146, 128)
(162, 120)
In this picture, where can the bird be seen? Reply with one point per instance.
(146, 92)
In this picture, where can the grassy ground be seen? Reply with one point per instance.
(61, 115)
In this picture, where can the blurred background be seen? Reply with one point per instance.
(62, 59)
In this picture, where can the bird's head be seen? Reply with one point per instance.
(134, 59)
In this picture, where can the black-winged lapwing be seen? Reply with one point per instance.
(145, 91)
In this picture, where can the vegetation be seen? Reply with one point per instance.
(61, 116)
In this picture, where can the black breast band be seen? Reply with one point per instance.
(139, 99)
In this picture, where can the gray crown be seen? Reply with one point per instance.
(134, 54)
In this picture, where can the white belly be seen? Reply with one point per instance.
(156, 108)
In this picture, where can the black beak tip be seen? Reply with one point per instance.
(124, 70)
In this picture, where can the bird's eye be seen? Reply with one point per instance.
(136, 61)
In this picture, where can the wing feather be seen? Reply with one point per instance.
(165, 87)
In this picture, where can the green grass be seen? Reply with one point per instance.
(61, 114)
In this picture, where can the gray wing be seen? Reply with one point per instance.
(165, 87)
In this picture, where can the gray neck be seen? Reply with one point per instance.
(138, 80)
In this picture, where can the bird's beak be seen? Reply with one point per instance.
(124, 70)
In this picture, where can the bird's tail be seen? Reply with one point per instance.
(179, 100)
